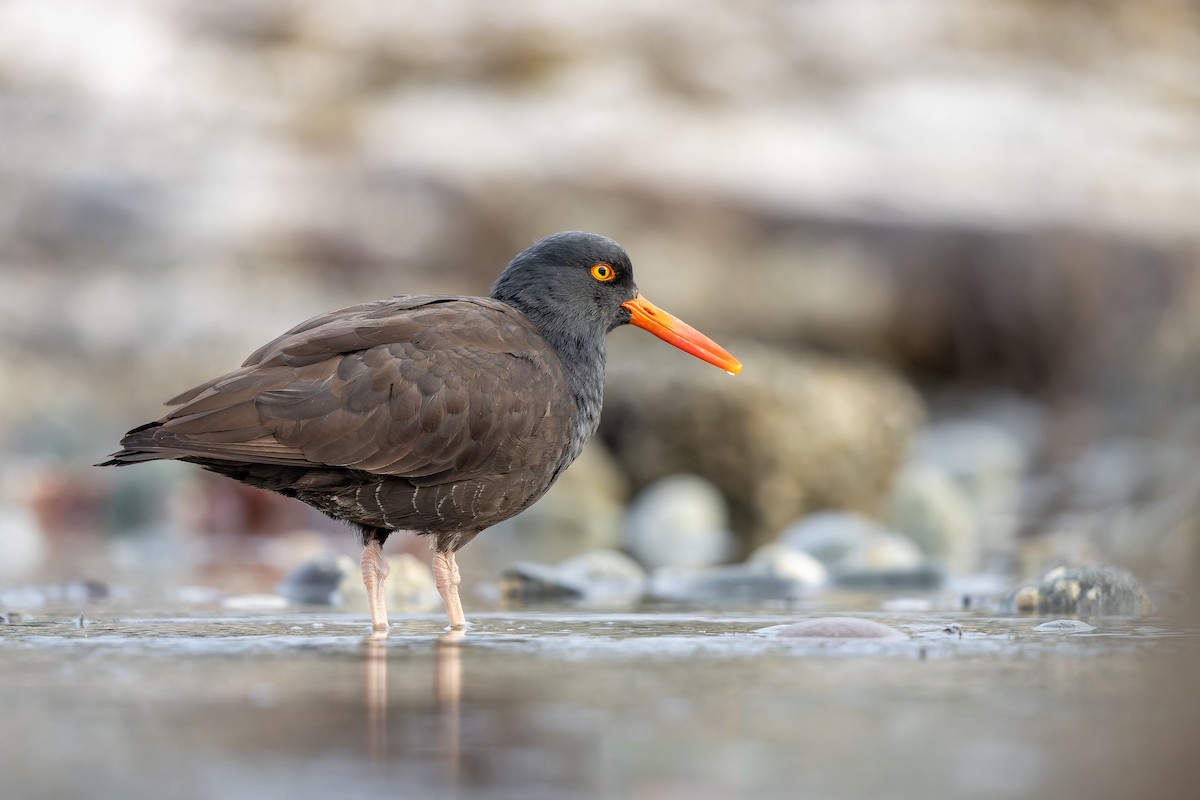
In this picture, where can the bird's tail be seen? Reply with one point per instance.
(137, 446)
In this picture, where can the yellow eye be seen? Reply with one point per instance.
(603, 272)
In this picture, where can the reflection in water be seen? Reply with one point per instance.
(375, 687)
(447, 693)
(573, 706)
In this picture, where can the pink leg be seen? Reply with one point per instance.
(375, 571)
(445, 572)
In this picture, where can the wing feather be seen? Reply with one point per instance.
(424, 388)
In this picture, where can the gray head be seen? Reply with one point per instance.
(575, 287)
(580, 278)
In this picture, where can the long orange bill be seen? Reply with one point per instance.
(679, 333)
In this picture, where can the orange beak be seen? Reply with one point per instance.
(677, 332)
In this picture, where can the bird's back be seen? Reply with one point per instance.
(442, 415)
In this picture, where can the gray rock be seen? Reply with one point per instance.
(729, 584)
(529, 581)
(22, 548)
(1064, 626)
(600, 576)
(862, 554)
(254, 602)
(785, 562)
(986, 462)
(923, 576)
(838, 628)
(410, 585)
(316, 582)
(883, 551)
(607, 575)
(785, 437)
(829, 535)
(931, 510)
(1095, 590)
(679, 521)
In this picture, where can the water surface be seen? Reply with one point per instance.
(561, 705)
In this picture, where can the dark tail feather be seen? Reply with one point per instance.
(132, 445)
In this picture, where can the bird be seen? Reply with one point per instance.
(437, 415)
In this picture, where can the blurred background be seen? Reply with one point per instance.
(955, 244)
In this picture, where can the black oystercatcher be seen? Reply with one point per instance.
(438, 415)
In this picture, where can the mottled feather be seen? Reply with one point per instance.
(435, 414)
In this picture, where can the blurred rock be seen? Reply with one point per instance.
(254, 602)
(599, 576)
(884, 551)
(930, 509)
(837, 628)
(829, 535)
(529, 581)
(728, 584)
(1064, 626)
(786, 436)
(582, 512)
(785, 562)
(1046, 309)
(73, 593)
(861, 553)
(317, 582)
(678, 521)
(987, 464)
(607, 574)
(1095, 590)
(22, 547)
(411, 585)
(924, 576)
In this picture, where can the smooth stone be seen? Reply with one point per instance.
(679, 521)
(1098, 589)
(1065, 626)
(785, 436)
(785, 562)
(926, 576)
(255, 602)
(597, 576)
(72, 593)
(22, 548)
(907, 605)
(529, 581)
(838, 628)
(829, 536)
(316, 582)
(410, 585)
(883, 551)
(723, 585)
(607, 575)
(862, 554)
(930, 509)
(986, 462)
(1025, 599)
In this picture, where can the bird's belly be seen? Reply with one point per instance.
(462, 507)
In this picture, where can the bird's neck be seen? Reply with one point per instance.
(585, 376)
(581, 349)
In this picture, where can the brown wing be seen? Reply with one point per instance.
(432, 389)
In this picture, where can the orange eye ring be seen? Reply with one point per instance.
(604, 272)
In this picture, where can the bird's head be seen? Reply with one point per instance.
(584, 279)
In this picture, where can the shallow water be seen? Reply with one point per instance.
(561, 705)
